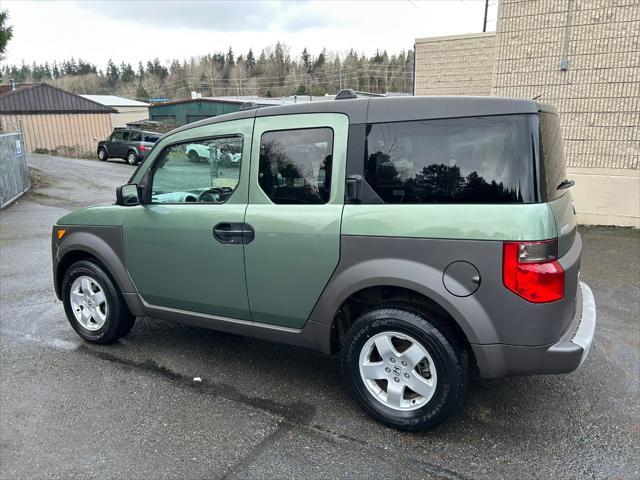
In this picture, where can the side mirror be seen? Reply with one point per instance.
(128, 195)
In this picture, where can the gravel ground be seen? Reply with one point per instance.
(262, 410)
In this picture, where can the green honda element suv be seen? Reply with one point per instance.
(422, 238)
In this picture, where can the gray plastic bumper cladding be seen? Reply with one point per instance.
(564, 356)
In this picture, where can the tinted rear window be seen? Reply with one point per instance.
(151, 138)
(135, 137)
(552, 153)
(461, 160)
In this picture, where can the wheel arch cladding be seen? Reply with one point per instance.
(392, 296)
(410, 276)
(101, 243)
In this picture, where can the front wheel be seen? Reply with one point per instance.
(102, 154)
(193, 156)
(405, 367)
(132, 158)
(94, 305)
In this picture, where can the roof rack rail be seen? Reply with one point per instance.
(248, 106)
(345, 94)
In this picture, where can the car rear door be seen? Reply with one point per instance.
(296, 196)
(184, 245)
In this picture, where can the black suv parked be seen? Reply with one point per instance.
(132, 145)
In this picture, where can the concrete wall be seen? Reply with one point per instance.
(598, 95)
(455, 65)
(606, 196)
(68, 133)
(128, 114)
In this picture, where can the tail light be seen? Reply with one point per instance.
(531, 270)
(144, 148)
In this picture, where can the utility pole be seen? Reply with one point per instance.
(486, 10)
(340, 89)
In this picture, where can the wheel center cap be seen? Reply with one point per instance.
(397, 370)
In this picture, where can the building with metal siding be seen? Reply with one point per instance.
(53, 119)
(182, 112)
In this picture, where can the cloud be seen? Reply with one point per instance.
(221, 16)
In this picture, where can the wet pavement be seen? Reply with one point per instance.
(263, 410)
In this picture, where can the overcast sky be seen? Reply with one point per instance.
(141, 30)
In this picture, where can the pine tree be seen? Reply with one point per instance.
(251, 61)
(112, 73)
(142, 94)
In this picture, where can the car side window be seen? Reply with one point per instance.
(295, 165)
(135, 137)
(116, 135)
(125, 136)
(200, 171)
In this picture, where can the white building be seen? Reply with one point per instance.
(128, 110)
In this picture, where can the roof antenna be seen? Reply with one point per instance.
(536, 97)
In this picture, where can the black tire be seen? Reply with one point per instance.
(225, 160)
(132, 158)
(449, 355)
(119, 320)
(193, 156)
(102, 154)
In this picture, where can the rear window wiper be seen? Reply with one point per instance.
(566, 183)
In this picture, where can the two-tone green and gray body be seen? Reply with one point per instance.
(303, 272)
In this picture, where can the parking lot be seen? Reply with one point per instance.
(263, 410)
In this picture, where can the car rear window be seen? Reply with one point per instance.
(135, 137)
(151, 138)
(461, 160)
(552, 154)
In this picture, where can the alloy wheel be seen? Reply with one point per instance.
(398, 371)
(89, 303)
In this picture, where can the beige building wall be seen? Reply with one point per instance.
(62, 132)
(127, 115)
(598, 96)
(455, 65)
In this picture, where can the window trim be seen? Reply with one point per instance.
(147, 193)
(333, 136)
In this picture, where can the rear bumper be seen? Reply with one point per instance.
(564, 356)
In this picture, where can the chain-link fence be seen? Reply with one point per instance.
(14, 177)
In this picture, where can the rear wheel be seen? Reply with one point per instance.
(132, 158)
(94, 305)
(405, 367)
(102, 154)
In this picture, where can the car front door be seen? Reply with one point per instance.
(114, 145)
(296, 195)
(123, 145)
(182, 246)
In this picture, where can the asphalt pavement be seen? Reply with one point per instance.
(69, 409)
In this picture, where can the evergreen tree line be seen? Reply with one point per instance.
(272, 73)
